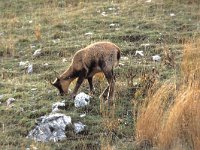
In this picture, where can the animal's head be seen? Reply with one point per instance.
(62, 85)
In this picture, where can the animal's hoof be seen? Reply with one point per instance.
(108, 103)
(73, 96)
(92, 93)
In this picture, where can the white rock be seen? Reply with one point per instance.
(112, 25)
(172, 14)
(104, 14)
(79, 127)
(23, 63)
(45, 64)
(111, 8)
(82, 115)
(57, 105)
(10, 100)
(64, 60)
(56, 41)
(30, 21)
(50, 128)
(37, 52)
(1, 96)
(1, 33)
(145, 44)
(82, 100)
(148, 1)
(121, 64)
(33, 89)
(139, 53)
(156, 58)
(88, 33)
(32, 46)
(124, 58)
(30, 69)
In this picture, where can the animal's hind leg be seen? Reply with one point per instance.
(110, 78)
(104, 93)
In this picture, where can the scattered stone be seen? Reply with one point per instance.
(111, 8)
(145, 44)
(88, 34)
(37, 52)
(33, 89)
(82, 115)
(32, 46)
(56, 41)
(79, 127)
(24, 64)
(64, 60)
(10, 101)
(45, 64)
(112, 25)
(1, 96)
(148, 1)
(104, 14)
(121, 64)
(172, 14)
(50, 128)
(139, 53)
(156, 58)
(82, 100)
(1, 33)
(124, 58)
(57, 106)
(30, 68)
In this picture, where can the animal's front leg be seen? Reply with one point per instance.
(77, 86)
(91, 85)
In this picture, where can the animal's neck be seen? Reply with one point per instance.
(67, 74)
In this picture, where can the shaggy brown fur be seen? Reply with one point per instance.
(97, 57)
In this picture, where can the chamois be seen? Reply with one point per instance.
(97, 57)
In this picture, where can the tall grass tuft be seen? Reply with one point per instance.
(152, 114)
(170, 119)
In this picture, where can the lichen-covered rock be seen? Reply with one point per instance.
(82, 100)
(10, 100)
(50, 128)
(79, 127)
(57, 106)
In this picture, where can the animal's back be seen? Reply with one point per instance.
(102, 52)
(97, 56)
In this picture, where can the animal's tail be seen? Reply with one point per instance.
(118, 55)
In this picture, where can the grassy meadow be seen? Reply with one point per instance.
(156, 103)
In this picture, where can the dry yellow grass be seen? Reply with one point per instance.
(151, 116)
(38, 32)
(170, 120)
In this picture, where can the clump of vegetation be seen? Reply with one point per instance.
(170, 118)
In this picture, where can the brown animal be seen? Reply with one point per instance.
(97, 57)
